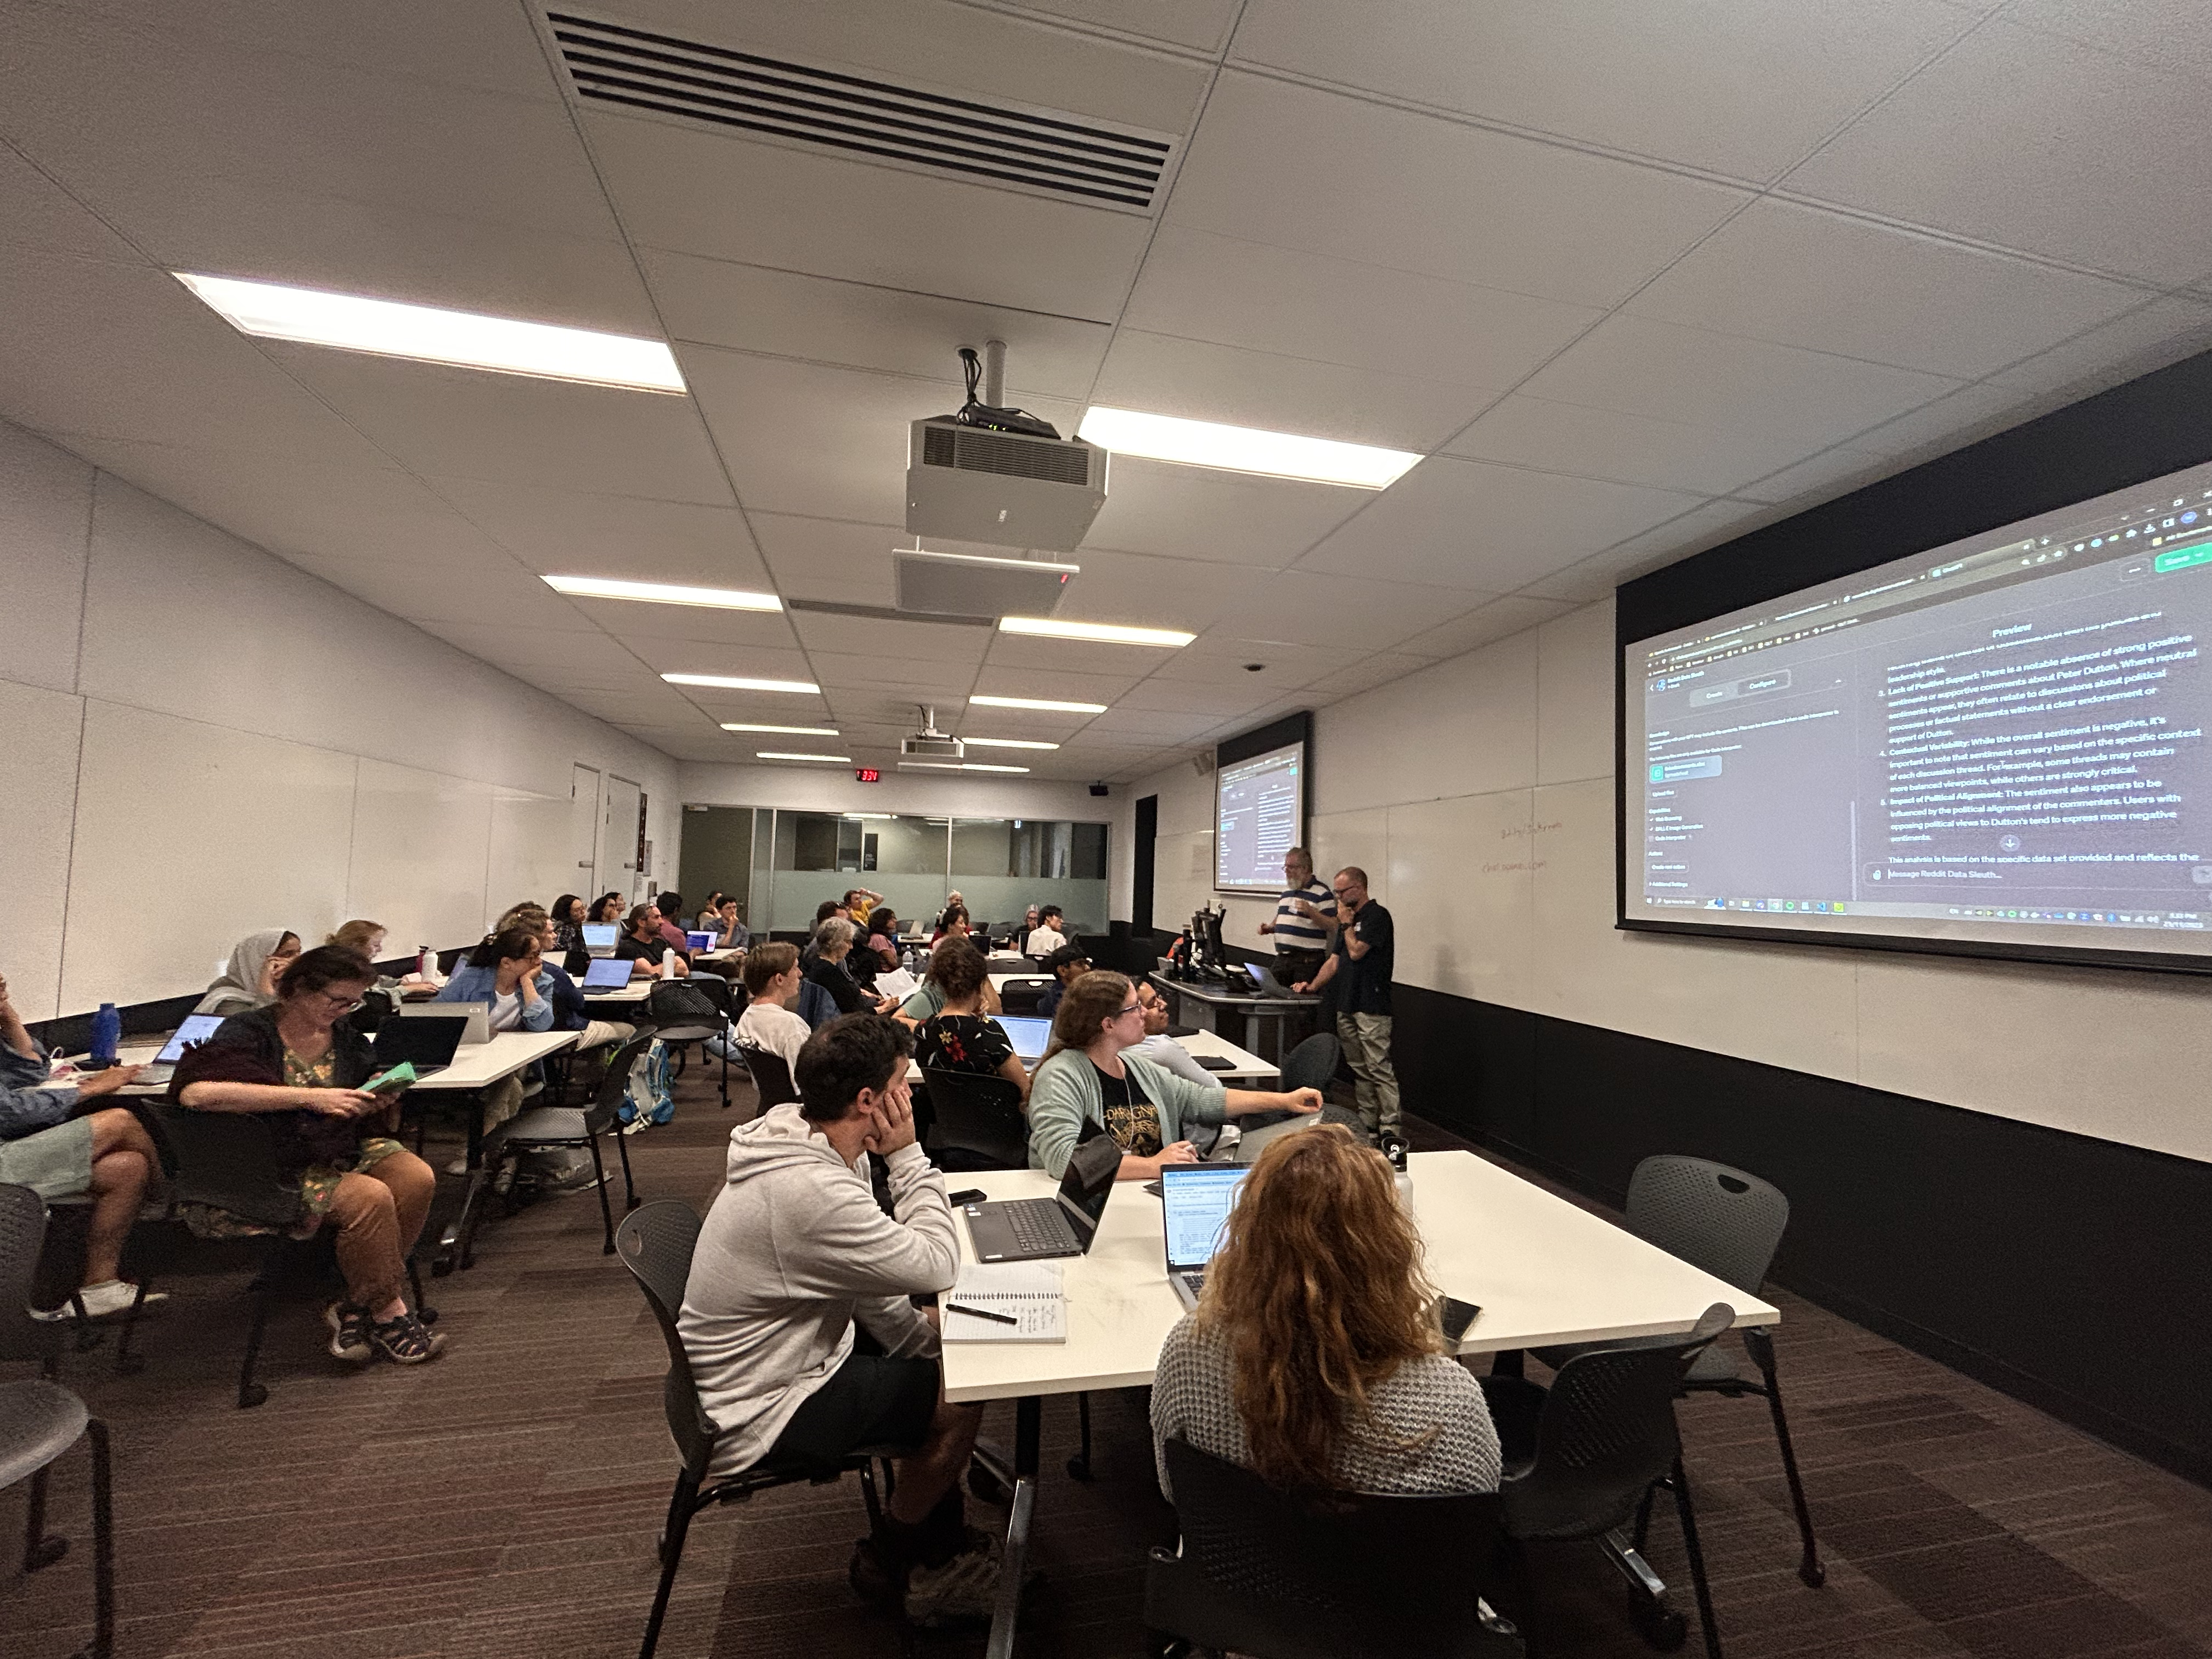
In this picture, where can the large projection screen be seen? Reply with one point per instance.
(1259, 814)
(1996, 746)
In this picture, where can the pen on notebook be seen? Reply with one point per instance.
(981, 1313)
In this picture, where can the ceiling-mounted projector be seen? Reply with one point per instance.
(992, 473)
(976, 584)
(930, 743)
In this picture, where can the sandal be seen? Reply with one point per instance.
(350, 1324)
(405, 1340)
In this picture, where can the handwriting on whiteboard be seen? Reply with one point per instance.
(1524, 831)
(1495, 869)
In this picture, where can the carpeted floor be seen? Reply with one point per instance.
(504, 1501)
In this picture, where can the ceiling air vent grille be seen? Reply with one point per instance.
(1061, 154)
(1009, 456)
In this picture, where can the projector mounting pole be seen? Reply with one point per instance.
(995, 373)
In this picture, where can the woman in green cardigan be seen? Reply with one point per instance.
(1085, 1077)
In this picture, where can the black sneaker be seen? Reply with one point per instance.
(349, 1327)
(405, 1340)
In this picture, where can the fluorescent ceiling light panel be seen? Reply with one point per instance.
(1245, 449)
(352, 322)
(869, 815)
(740, 683)
(788, 730)
(956, 766)
(610, 588)
(1006, 743)
(1108, 633)
(1038, 703)
(781, 754)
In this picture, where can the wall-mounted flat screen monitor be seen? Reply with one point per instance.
(1997, 745)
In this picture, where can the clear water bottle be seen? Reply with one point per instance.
(107, 1034)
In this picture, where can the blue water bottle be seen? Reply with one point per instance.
(107, 1034)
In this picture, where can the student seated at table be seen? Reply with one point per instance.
(1068, 963)
(953, 924)
(249, 979)
(1315, 1358)
(607, 907)
(732, 933)
(824, 964)
(300, 1064)
(793, 1254)
(1046, 936)
(507, 971)
(710, 913)
(570, 1012)
(1088, 1076)
(960, 1037)
(1028, 926)
(930, 998)
(882, 941)
(1161, 1048)
(568, 914)
(773, 980)
(643, 946)
(670, 905)
(50, 1143)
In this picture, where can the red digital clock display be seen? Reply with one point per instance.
(867, 775)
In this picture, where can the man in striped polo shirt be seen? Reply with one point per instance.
(1304, 918)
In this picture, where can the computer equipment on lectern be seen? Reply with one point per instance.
(1195, 1200)
(1033, 1229)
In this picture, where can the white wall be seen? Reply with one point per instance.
(1478, 795)
(200, 740)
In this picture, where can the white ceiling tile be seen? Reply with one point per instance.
(913, 678)
(1608, 443)
(36, 212)
(665, 656)
(688, 624)
(1068, 685)
(827, 558)
(1706, 525)
(569, 532)
(1782, 394)
(1301, 168)
(1153, 590)
(1742, 86)
(2164, 331)
(1214, 700)
(515, 429)
(1199, 286)
(2043, 145)
(751, 308)
(1229, 518)
(1494, 528)
(1831, 473)
(1199, 24)
(1963, 417)
(809, 438)
(1805, 276)
(1228, 662)
(1159, 724)
(1486, 622)
(764, 204)
(1198, 380)
(919, 641)
(1369, 672)
(2174, 35)
(460, 592)
(1351, 612)
(117, 351)
(1084, 656)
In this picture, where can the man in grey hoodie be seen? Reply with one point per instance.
(794, 1253)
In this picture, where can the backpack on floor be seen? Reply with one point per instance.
(648, 1096)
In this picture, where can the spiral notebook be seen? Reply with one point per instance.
(1028, 1291)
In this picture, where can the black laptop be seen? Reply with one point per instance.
(1033, 1229)
(426, 1041)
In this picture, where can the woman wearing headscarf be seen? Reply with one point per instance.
(249, 980)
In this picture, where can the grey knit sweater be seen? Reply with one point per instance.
(1426, 1430)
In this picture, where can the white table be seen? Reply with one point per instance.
(1246, 1069)
(1542, 1270)
(635, 992)
(1220, 1002)
(480, 1065)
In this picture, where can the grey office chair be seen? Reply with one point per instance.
(548, 1127)
(40, 1420)
(1313, 1063)
(1729, 1223)
(771, 1075)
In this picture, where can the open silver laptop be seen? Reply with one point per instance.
(196, 1029)
(478, 1029)
(1195, 1200)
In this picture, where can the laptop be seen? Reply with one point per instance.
(1195, 1200)
(196, 1029)
(427, 1043)
(1029, 1034)
(703, 941)
(1034, 1228)
(476, 1029)
(1252, 1142)
(599, 937)
(1262, 979)
(607, 973)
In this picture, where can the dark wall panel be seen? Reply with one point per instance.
(2073, 1273)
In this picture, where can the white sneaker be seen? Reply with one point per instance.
(104, 1301)
(459, 1166)
(964, 1589)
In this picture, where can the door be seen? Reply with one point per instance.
(1140, 893)
(618, 839)
(583, 831)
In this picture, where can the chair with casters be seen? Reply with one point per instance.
(1022, 995)
(1730, 1223)
(979, 1124)
(655, 1244)
(543, 1128)
(40, 1420)
(682, 1012)
(1325, 1575)
(1313, 1063)
(228, 1161)
(771, 1075)
(1584, 1457)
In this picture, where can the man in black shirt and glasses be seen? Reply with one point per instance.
(1356, 976)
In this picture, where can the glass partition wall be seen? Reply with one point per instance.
(791, 862)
